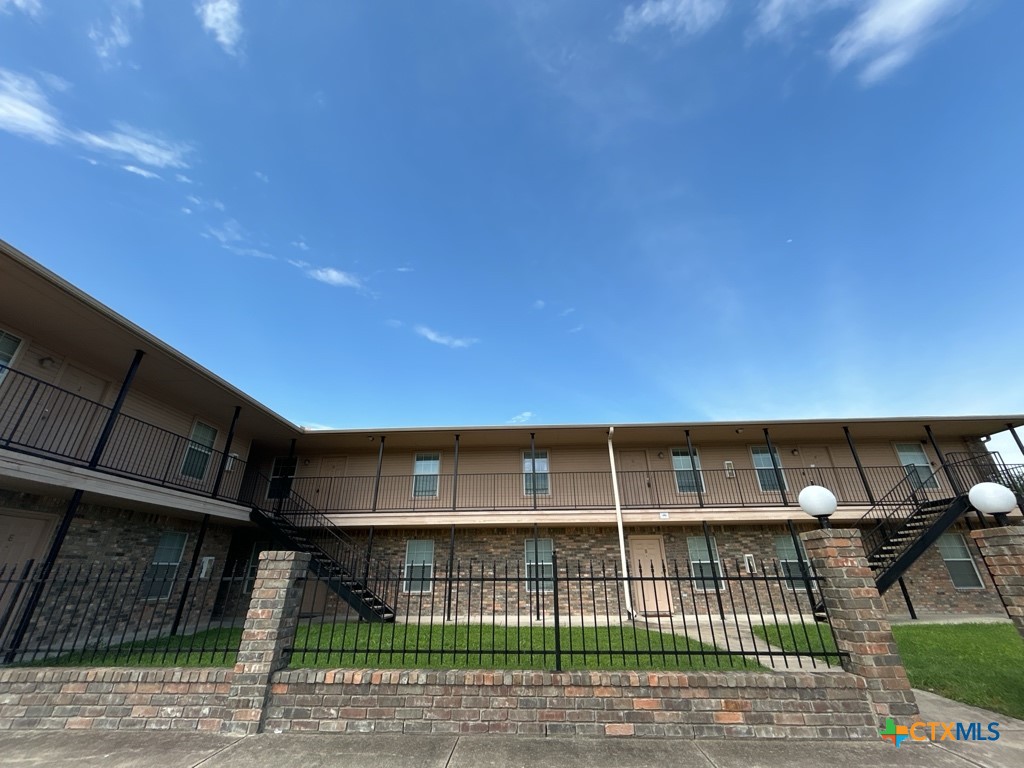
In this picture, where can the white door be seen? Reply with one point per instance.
(330, 489)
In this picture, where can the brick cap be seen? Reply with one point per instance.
(824, 534)
(282, 556)
(1006, 532)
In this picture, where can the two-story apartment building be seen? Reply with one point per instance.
(116, 447)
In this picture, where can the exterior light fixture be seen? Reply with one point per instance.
(993, 499)
(818, 501)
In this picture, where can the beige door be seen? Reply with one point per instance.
(647, 568)
(330, 489)
(817, 468)
(634, 479)
(83, 420)
(22, 538)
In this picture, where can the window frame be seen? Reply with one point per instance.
(194, 447)
(546, 579)
(929, 482)
(426, 580)
(770, 468)
(21, 343)
(695, 470)
(543, 477)
(426, 492)
(703, 583)
(794, 582)
(969, 559)
(165, 583)
(280, 485)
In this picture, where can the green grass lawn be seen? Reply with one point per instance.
(978, 664)
(407, 646)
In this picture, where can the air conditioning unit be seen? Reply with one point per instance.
(229, 465)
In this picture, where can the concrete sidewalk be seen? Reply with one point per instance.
(131, 749)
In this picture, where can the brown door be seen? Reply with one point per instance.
(647, 568)
(634, 479)
(330, 490)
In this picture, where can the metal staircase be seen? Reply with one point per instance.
(922, 507)
(356, 578)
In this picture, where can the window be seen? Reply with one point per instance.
(198, 451)
(959, 563)
(9, 344)
(766, 476)
(918, 467)
(166, 559)
(704, 568)
(426, 469)
(281, 474)
(539, 556)
(538, 472)
(789, 561)
(687, 468)
(419, 566)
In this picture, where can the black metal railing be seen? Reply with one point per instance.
(575, 615)
(45, 420)
(655, 489)
(110, 615)
(923, 492)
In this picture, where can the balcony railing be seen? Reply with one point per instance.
(45, 420)
(661, 489)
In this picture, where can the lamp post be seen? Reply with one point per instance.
(993, 499)
(818, 501)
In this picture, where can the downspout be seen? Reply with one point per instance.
(618, 522)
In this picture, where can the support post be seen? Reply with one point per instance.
(1016, 438)
(775, 465)
(857, 615)
(451, 538)
(200, 537)
(804, 570)
(115, 411)
(533, 488)
(698, 478)
(714, 569)
(373, 508)
(954, 481)
(906, 599)
(860, 467)
(226, 453)
(627, 587)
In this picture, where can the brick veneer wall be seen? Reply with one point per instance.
(687, 705)
(1003, 549)
(113, 699)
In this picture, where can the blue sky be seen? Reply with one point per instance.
(479, 212)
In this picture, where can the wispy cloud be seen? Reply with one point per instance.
(336, 277)
(888, 33)
(182, 178)
(392, 323)
(576, 329)
(146, 148)
(111, 37)
(300, 244)
(690, 17)
(140, 172)
(439, 338)
(222, 19)
(227, 233)
(521, 418)
(539, 304)
(26, 111)
(567, 311)
(882, 36)
(31, 7)
(404, 269)
(261, 176)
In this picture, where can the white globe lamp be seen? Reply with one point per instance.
(818, 502)
(993, 499)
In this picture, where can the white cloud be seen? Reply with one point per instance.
(31, 7)
(300, 244)
(145, 148)
(245, 251)
(576, 329)
(393, 323)
(539, 304)
(521, 418)
(439, 338)
(229, 232)
(182, 178)
(110, 38)
(887, 34)
(221, 18)
(567, 311)
(779, 17)
(186, 210)
(333, 276)
(25, 109)
(298, 263)
(261, 176)
(141, 172)
(691, 17)
(404, 269)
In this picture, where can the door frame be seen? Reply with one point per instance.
(665, 608)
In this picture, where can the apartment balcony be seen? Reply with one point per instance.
(583, 491)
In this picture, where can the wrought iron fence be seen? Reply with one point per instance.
(109, 615)
(553, 615)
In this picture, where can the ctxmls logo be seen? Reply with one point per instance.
(933, 731)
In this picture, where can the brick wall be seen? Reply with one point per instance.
(113, 699)
(686, 705)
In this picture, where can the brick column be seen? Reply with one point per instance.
(1003, 550)
(269, 630)
(858, 620)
